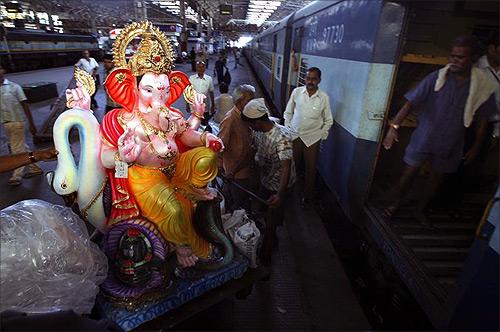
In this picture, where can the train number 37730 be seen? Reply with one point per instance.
(333, 34)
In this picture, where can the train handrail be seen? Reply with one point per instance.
(484, 218)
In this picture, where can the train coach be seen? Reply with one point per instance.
(29, 50)
(371, 52)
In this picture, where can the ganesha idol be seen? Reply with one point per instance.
(143, 172)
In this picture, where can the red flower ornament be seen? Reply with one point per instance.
(133, 232)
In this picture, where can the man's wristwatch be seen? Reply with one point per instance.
(393, 125)
(32, 157)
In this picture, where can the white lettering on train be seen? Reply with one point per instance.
(333, 34)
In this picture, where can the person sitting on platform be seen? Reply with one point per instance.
(274, 155)
(452, 99)
(237, 158)
(13, 104)
(223, 103)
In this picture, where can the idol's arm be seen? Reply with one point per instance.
(193, 138)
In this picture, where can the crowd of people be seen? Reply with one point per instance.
(261, 155)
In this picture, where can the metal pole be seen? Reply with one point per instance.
(3, 33)
(209, 28)
(137, 4)
(234, 183)
(93, 27)
(144, 10)
(184, 37)
(199, 27)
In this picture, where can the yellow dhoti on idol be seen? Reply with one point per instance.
(170, 202)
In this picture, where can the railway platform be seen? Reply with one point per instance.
(307, 287)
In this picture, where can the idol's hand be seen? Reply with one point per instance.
(130, 146)
(213, 142)
(198, 104)
(78, 98)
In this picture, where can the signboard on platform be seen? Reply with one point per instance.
(170, 28)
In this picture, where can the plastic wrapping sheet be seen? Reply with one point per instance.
(48, 262)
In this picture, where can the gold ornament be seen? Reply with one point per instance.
(85, 79)
(154, 53)
(189, 94)
(150, 129)
(120, 77)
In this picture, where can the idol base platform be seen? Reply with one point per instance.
(188, 297)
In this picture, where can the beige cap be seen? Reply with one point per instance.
(255, 108)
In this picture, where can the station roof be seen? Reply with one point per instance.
(87, 15)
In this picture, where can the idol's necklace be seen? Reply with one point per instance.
(148, 127)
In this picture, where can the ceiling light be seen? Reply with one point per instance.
(265, 3)
(261, 11)
(261, 7)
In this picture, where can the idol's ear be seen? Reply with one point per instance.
(178, 82)
(122, 88)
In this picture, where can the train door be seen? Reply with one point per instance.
(273, 65)
(295, 56)
(436, 255)
(298, 67)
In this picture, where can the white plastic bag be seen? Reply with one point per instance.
(244, 234)
(48, 262)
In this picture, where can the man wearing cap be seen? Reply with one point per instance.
(274, 155)
(237, 158)
(203, 83)
(309, 116)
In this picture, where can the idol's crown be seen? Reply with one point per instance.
(154, 53)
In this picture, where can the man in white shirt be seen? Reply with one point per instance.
(203, 83)
(223, 103)
(491, 65)
(309, 116)
(90, 66)
(13, 112)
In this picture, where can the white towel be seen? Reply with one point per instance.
(480, 90)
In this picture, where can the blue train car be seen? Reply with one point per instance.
(269, 56)
(349, 40)
(371, 52)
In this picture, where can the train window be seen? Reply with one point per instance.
(279, 62)
(264, 58)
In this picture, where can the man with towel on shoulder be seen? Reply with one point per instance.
(452, 99)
